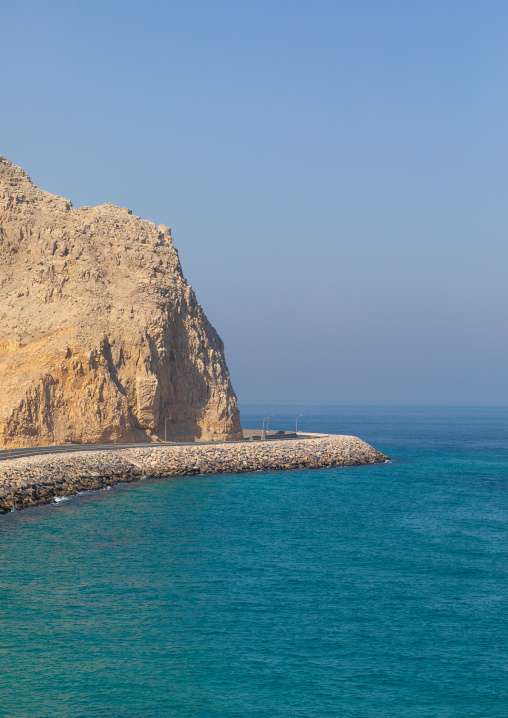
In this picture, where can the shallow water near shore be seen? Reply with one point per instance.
(368, 591)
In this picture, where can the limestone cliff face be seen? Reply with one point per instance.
(101, 338)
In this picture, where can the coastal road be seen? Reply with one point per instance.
(69, 448)
(6, 454)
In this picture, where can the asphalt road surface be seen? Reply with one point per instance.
(38, 450)
(6, 454)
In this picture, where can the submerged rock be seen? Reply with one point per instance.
(101, 337)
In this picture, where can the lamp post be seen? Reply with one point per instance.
(166, 429)
(296, 427)
(263, 429)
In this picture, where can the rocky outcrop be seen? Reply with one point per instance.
(101, 338)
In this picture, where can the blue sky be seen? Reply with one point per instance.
(335, 175)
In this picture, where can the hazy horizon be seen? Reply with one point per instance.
(334, 175)
(380, 406)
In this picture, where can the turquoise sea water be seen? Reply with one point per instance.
(367, 591)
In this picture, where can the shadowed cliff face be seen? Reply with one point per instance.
(101, 338)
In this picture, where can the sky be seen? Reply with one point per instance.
(335, 175)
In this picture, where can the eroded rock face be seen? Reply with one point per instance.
(101, 338)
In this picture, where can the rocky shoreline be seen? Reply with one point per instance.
(35, 480)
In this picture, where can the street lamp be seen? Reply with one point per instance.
(265, 419)
(296, 427)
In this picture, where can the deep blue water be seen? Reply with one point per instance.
(368, 591)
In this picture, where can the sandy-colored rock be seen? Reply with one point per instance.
(101, 338)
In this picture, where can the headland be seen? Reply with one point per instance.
(102, 340)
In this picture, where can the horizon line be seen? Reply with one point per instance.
(437, 406)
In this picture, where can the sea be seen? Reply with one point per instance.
(365, 592)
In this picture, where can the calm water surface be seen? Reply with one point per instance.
(370, 591)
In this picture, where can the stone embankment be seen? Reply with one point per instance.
(34, 480)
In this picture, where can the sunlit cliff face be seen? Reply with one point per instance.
(101, 338)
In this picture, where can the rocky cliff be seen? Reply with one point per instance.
(101, 338)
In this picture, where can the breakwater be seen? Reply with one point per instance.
(34, 480)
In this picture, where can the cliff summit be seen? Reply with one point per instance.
(101, 338)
